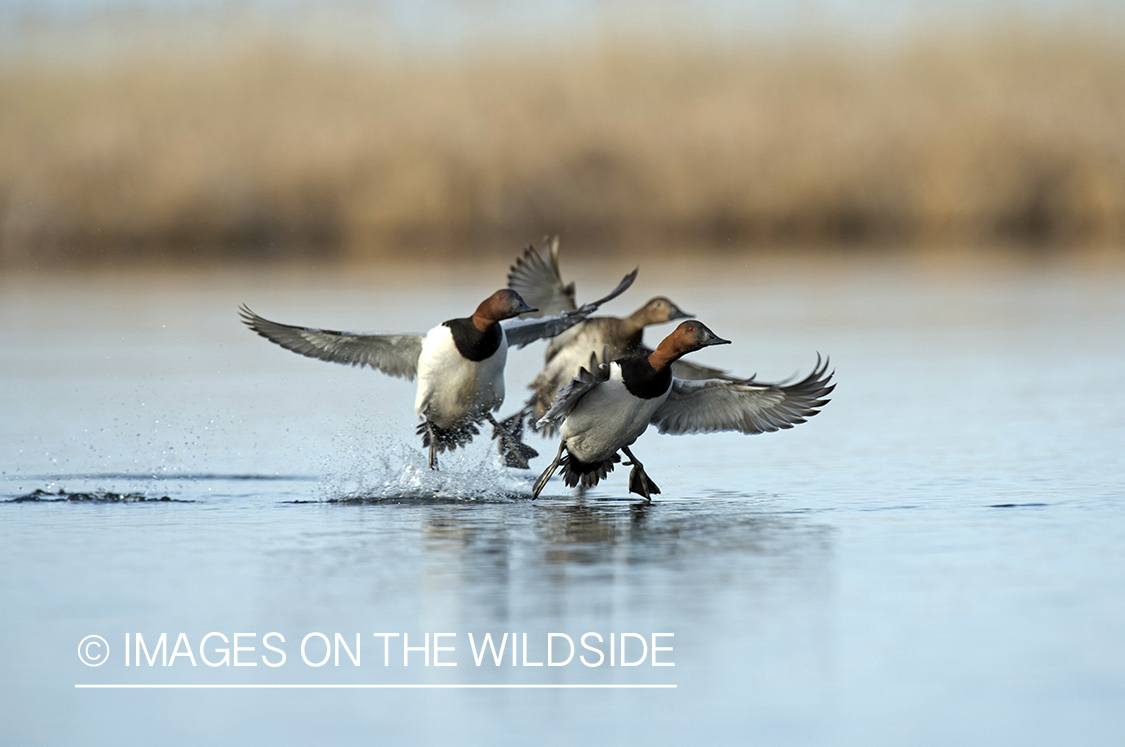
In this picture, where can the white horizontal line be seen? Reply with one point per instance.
(375, 687)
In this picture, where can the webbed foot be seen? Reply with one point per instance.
(639, 481)
(514, 451)
(641, 484)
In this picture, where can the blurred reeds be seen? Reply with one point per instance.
(1013, 135)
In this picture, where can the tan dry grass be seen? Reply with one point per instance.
(271, 151)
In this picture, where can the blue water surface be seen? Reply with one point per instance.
(937, 558)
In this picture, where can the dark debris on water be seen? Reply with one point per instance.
(99, 496)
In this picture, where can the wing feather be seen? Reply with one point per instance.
(520, 332)
(569, 395)
(393, 354)
(720, 405)
(536, 277)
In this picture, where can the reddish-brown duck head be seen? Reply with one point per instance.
(503, 304)
(690, 336)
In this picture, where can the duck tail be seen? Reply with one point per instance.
(586, 474)
(447, 439)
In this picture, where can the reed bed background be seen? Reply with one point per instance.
(270, 148)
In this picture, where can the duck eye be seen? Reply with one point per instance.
(691, 329)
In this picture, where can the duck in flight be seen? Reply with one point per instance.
(536, 276)
(459, 363)
(609, 405)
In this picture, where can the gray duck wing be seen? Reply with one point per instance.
(536, 277)
(719, 405)
(393, 354)
(520, 332)
(569, 396)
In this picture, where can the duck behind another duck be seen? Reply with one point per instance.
(608, 406)
(537, 277)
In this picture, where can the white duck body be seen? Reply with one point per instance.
(459, 364)
(607, 418)
(452, 388)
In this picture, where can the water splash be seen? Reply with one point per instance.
(373, 469)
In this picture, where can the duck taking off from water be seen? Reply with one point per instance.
(537, 278)
(459, 363)
(607, 407)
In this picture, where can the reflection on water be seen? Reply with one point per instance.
(556, 560)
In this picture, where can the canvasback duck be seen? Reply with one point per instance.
(459, 363)
(537, 277)
(606, 408)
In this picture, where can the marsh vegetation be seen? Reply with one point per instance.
(262, 147)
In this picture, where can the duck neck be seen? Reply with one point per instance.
(473, 343)
(482, 324)
(483, 318)
(664, 356)
(635, 322)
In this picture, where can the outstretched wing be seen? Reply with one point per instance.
(520, 332)
(717, 405)
(536, 277)
(393, 354)
(570, 394)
